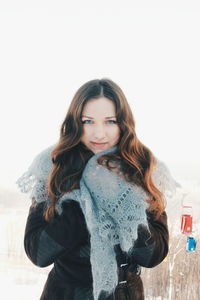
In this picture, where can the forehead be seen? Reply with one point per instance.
(100, 106)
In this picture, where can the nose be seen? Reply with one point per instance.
(99, 133)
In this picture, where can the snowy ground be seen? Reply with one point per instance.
(12, 288)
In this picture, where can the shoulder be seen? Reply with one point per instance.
(34, 180)
(163, 178)
(42, 163)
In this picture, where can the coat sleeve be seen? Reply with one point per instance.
(45, 241)
(151, 246)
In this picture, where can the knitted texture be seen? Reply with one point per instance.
(34, 180)
(113, 209)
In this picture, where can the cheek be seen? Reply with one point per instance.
(116, 133)
(86, 133)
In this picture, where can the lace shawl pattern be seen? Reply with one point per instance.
(34, 180)
(113, 209)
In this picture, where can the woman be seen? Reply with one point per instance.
(97, 200)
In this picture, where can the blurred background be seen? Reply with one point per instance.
(48, 50)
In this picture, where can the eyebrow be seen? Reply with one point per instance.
(93, 118)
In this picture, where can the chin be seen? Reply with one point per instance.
(97, 151)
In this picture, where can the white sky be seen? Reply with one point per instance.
(49, 48)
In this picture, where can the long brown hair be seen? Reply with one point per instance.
(70, 155)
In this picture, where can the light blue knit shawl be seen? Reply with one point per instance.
(113, 208)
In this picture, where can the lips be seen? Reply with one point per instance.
(98, 144)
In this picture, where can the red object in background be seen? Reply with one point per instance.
(186, 220)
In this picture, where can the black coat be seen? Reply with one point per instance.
(65, 242)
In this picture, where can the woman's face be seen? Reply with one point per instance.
(100, 128)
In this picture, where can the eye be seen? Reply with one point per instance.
(112, 122)
(86, 121)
